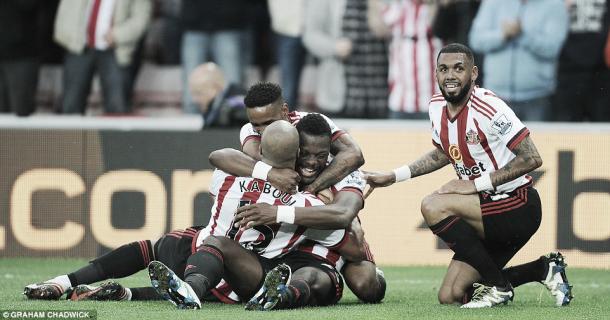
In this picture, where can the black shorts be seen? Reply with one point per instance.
(297, 260)
(509, 222)
(174, 248)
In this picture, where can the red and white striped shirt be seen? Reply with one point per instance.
(413, 52)
(269, 241)
(247, 131)
(354, 182)
(480, 138)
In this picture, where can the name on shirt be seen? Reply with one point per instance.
(266, 188)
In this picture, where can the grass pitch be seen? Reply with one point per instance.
(411, 294)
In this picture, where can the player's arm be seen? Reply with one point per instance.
(337, 215)
(347, 158)
(252, 148)
(240, 164)
(527, 160)
(428, 163)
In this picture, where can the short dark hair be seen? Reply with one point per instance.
(314, 124)
(457, 48)
(262, 94)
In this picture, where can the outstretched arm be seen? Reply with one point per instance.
(428, 163)
(240, 164)
(337, 215)
(347, 158)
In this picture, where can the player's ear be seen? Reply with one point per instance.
(475, 73)
(285, 109)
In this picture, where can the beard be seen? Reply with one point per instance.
(458, 97)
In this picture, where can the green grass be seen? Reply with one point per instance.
(411, 294)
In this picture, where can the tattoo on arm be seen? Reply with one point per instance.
(430, 162)
(527, 160)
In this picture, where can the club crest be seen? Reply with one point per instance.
(472, 137)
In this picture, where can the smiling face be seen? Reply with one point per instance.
(313, 156)
(455, 74)
(261, 117)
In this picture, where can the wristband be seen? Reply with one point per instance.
(483, 183)
(403, 173)
(285, 214)
(261, 170)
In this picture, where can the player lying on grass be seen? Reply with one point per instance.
(175, 248)
(489, 213)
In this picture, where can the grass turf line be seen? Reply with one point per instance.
(411, 293)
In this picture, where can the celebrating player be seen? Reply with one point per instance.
(365, 280)
(492, 210)
(242, 257)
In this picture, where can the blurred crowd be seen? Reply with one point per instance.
(374, 59)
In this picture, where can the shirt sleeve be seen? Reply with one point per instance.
(506, 126)
(436, 138)
(218, 178)
(246, 133)
(336, 132)
(353, 182)
(332, 239)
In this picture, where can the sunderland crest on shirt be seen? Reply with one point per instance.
(472, 137)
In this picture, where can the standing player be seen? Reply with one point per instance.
(492, 210)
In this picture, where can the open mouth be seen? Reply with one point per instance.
(452, 86)
(307, 172)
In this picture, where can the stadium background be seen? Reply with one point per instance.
(71, 190)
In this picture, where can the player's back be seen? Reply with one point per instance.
(270, 241)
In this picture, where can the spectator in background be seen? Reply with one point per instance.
(221, 103)
(99, 36)
(216, 27)
(452, 24)
(19, 55)
(583, 84)
(352, 74)
(287, 25)
(521, 41)
(413, 51)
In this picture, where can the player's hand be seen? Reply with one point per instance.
(285, 180)
(255, 215)
(343, 48)
(458, 186)
(378, 179)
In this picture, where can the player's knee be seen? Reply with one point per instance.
(432, 207)
(457, 293)
(445, 296)
(367, 289)
(216, 241)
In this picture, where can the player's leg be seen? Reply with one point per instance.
(313, 283)
(120, 262)
(456, 219)
(457, 282)
(365, 280)
(221, 257)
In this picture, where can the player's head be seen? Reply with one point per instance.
(205, 83)
(264, 104)
(455, 72)
(280, 145)
(315, 139)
